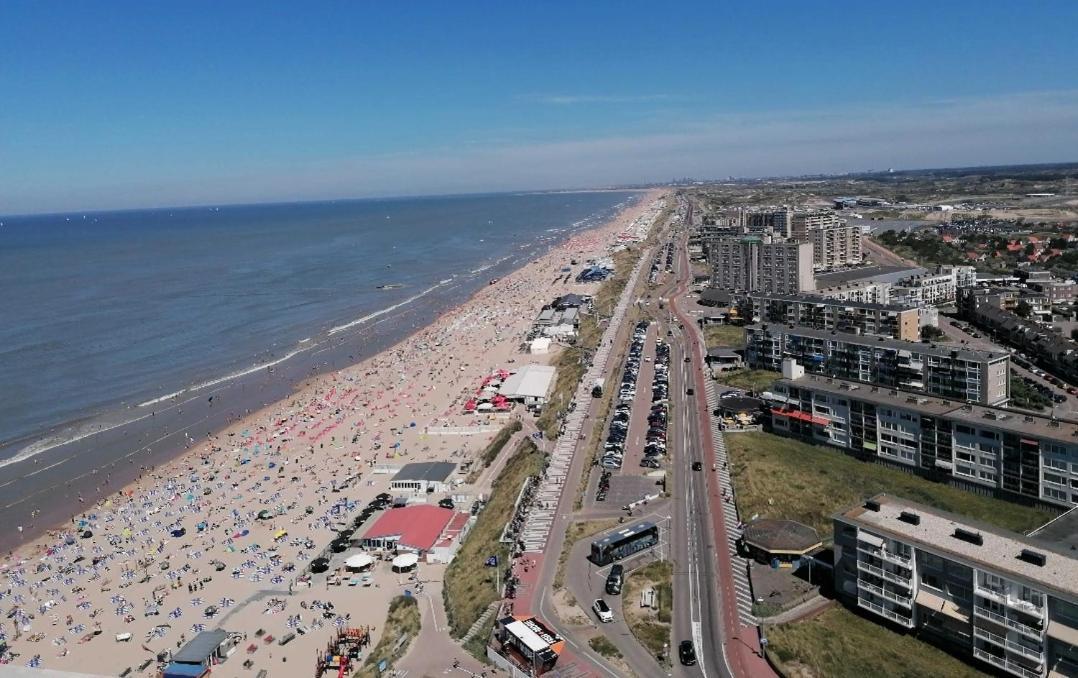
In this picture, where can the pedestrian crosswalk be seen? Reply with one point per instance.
(541, 516)
(742, 584)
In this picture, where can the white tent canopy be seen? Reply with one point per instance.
(359, 561)
(405, 561)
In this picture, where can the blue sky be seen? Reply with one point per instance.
(126, 104)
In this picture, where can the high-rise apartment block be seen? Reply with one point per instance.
(886, 320)
(1009, 601)
(752, 264)
(959, 373)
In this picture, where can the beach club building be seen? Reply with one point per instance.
(529, 385)
(423, 477)
(432, 532)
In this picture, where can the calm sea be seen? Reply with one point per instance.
(101, 312)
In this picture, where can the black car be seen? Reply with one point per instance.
(319, 565)
(697, 466)
(614, 580)
(686, 653)
(446, 503)
(690, 391)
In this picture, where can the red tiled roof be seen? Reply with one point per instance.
(418, 526)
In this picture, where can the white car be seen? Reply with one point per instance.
(602, 610)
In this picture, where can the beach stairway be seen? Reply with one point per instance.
(552, 485)
(480, 623)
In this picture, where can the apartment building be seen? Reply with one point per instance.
(1015, 455)
(861, 291)
(754, 265)
(896, 322)
(931, 289)
(803, 222)
(835, 246)
(961, 374)
(1007, 600)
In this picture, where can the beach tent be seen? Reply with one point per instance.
(359, 561)
(405, 561)
(264, 514)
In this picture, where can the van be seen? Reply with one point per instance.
(615, 579)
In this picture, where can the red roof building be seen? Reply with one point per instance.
(414, 528)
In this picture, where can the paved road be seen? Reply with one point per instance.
(706, 601)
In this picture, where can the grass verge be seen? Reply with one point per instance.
(494, 448)
(840, 644)
(604, 647)
(750, 380)
(469, 584)
(783, 478)
(724, 336)
(574, 533)
(403, 621)
(651, 627)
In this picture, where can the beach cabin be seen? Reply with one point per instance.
(421, 477)
(202, 652)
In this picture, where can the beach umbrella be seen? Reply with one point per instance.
(405, 561)
(359, 561)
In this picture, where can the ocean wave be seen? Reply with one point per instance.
(388, 309)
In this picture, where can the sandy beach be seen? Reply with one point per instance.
(183, 549)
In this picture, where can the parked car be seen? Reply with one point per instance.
(686, 653)
(602, 611)
(615, 579)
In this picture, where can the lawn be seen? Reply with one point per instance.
(724, 336)
(469, 584)
(840, 644)
(784, 478)
(650, 627)
(403, 621)
(750, 380)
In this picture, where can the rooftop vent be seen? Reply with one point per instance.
(1033, 557)
(968, 536)
(910, 517)
(1028, 419)
(872, 505)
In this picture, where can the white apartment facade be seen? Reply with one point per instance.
(1009, 601)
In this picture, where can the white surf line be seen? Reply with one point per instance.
(388, 309)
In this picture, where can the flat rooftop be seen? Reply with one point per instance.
(998, 552)
(939, 350)
(1065, 431)
(827, 301)
(436, 471)
(868, 273)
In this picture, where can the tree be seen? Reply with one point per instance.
(931, 332)
(1023, 309)
(1029, 249)
(1074, 334)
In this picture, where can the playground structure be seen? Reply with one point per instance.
(342, 651)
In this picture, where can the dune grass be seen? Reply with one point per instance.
(779, 477)
(724, 336)
(839, 644)
(650, 627)
(470, 586)
(403, 621)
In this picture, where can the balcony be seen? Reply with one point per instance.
(1004, 598)
(884, 612)
(889, 556)
(1014, 624)
(884, 593)
(1028, 652)
(884, 574)
(1016, 669)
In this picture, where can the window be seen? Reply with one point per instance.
(1055, 479)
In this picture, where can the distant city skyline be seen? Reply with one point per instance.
(127, 105)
